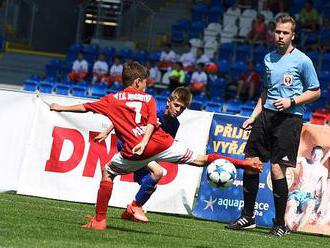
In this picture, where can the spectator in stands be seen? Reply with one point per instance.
(155, 74)
(270, 35)
(258, 31)
(79, 69)
(212, 71)
(188, 59)
(167, 57)
(177, 76)
(198, 80)
(100, 70)
(116, 71)
(201, 57)
(309, 17)
(249, 83)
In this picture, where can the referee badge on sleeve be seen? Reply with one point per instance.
(287, 78)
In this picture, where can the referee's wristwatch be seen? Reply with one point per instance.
(292, 102)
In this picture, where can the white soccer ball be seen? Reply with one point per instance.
(221, 173)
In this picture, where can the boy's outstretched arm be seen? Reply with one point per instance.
(139, 148)
(71, 108)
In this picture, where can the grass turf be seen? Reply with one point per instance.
(35, 222)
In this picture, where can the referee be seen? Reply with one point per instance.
(276, 122)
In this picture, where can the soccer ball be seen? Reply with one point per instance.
(221, 173)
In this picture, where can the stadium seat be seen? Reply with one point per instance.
(212, 31)
(307, 115)
(141, 56)
(196, 105)
(214, 14)
(98, 90)
(109, 52)
(247, 108)
(259, 54)
(324, 77)
(30, 85)
(228, 33)
(326, 62)
(237, 69)
(46, 87)
(242, 52)
(177, 37)
(53, 68)
(73, 51)
(226, 51)
(79, 91)
(223, 67)
(154, 56)
(233, 106)
(125, 53)
(200, 9)
(182, 25)
(211, 106)
(91, 53)
(62, 89)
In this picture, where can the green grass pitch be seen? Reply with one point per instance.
(35, 222)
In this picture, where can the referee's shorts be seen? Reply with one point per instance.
(275, 137)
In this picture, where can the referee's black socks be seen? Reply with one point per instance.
(250, 191)
(280, 192)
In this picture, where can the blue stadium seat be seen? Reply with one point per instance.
(46, 87)
(247, 108)
(79, 91)
(216, 88)
(62, 89)
(109, 52)
(73, 51)
(196, 105)
(116, 87)
(215, 13)
(223, 67)
(30, 85)
(141, 56)
(237, 69)
(226, 51)
(233, 106)
(200, 9)
(324, 78)
(326, 62)
(314, 56)
(200, 98)
(307, 115)
(211, 106)
(259, 54)
(177, 37)
(34, 78)
(182, 25)
(154, 56)
(53, 68)
(91, 53)
(197, 27)
(98, 90)
(242, 52)
(165, 93)
(151, 91)
(126, 53)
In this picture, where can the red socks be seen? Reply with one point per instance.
(237, 162)
(103, 197)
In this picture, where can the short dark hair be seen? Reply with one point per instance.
(133, 71)
(286, 18)
(181, 94)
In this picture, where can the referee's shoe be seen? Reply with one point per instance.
(243, 223)
(278, 230)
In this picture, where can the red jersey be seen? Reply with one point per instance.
(130, 111)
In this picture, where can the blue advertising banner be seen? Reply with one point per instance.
(225, 204)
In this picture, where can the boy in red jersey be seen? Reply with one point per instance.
(133, 114)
